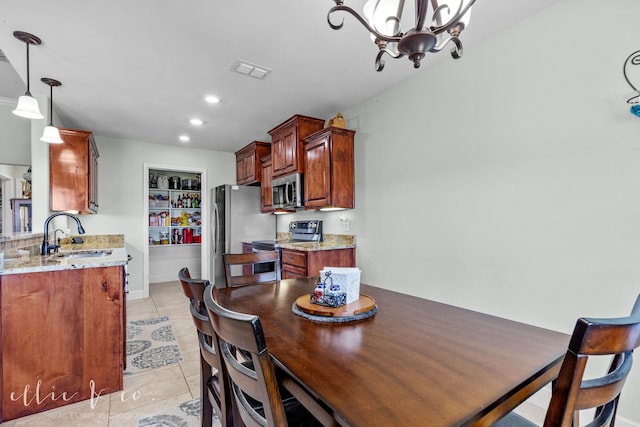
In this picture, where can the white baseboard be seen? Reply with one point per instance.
(133, 295)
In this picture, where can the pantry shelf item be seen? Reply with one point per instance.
(175, 216)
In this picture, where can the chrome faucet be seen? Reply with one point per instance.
(48, 248)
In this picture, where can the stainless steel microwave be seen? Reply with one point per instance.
(287, 192)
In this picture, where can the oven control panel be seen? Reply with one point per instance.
(309, 230)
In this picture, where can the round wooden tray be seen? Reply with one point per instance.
(363, 305)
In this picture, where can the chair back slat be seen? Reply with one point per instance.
(252, 261)
(195, 290)
(253, 378)
(594, 337)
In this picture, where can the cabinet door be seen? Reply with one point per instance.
(294, 263)
(291, 272)
(103, 317)
(285, 149)
(289, 151)
(277, 153)
(317, 183)
(73, 172)
(93, 177)
(61, 331)
(266, 187)
(245, 168)
(241, 173)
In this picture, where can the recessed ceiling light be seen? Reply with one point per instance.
(196, 122)
(212, 99)
(184, 138)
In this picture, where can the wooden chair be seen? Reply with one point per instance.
(571, 394)
(252, 262)
(211, 395)
(258, 399)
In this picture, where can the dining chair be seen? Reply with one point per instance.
(212, 397)
(263, 267)
(258, 396)
(616, 337)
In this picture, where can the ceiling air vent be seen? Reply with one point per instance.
(249, 69)
(3, 58)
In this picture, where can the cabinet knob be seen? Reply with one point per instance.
(105, 286)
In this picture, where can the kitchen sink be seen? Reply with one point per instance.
(84, 254)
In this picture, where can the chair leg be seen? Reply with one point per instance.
(206, 410)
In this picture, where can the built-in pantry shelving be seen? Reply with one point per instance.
(175, 208)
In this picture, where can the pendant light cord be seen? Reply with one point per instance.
(51, 105)
(28, 91)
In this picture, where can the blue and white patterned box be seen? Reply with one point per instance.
(348, 278)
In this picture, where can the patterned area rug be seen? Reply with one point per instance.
(186, 414)
(150, 344)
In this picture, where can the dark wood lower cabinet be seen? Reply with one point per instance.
(309, 263)
(62, 338)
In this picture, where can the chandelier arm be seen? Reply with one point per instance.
(355, 14)
(634, 59)
(454, 21)
(421, 14)
(380, 62)
(456, 51)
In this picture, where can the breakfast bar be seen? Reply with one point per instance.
(416, 362)
(62, 324)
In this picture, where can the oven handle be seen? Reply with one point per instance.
(288, 187)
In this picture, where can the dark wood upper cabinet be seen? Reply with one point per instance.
(266, 187)
(248, 167)
(286, 143)
(73, 172)
(329, 179)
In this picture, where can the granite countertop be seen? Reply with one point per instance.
(330, 242)
(316, 246)
(95, 251)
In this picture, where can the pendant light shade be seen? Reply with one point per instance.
(27, 104)
(51, 133)
(28, 107)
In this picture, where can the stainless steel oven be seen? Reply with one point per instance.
(301, 231)
(260, 246)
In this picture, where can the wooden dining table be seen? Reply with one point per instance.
(416, 362)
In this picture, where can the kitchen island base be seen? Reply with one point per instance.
(62, 338)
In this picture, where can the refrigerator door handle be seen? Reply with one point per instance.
(216, 229)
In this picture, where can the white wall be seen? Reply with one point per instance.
(508, 182)
(120, 189)
(15, 147)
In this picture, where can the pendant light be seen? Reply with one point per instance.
(27, 104)
(51, 133)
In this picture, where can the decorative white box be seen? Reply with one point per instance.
(348, 278)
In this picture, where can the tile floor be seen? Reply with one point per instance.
(144, 393)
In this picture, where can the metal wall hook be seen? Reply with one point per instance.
(633, 59)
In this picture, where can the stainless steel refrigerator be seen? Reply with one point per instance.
(236, 218)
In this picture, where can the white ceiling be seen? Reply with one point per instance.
(139, 69)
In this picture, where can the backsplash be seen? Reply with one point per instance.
(337, 239)
(14, 241)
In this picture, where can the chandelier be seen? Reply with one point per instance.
(633, 59)
(437, 22)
